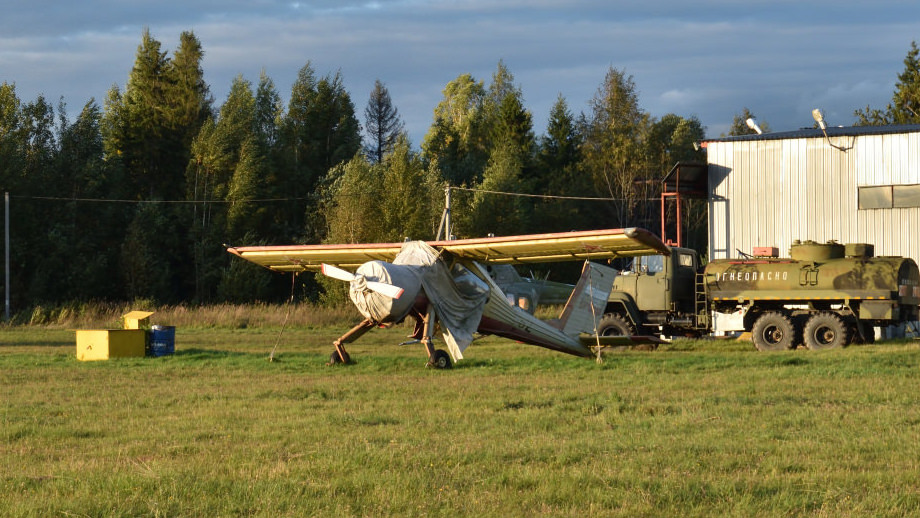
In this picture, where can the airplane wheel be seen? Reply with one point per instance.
(335, 359)
(440, 360)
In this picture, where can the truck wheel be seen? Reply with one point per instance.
(613, 324)
(825, 331)
(773, 331)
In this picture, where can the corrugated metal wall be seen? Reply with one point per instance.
(772, 192)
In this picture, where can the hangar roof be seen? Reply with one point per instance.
(839, 131)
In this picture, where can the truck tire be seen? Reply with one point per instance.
(614, 324)
(825, 330)
(773, 331)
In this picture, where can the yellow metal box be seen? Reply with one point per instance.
(102, 344)
(137, 319)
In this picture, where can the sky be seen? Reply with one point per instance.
(709, 58)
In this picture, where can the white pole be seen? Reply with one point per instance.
(447, 228)
(6, 239)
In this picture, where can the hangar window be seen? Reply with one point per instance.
(876, 197)
(906, 196)
(889, 196)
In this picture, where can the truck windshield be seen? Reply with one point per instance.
(649, 264)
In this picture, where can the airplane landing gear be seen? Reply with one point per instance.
(439, 360)
(336, 358)
(340, 355)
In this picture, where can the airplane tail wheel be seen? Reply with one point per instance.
(335, 359)
(440, 360)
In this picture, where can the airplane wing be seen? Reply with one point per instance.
(298, 258)
(533, 248)
(561, 246)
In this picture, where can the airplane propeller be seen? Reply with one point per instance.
(388, 290)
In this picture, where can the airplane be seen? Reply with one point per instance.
(528, 292)
(445, 284)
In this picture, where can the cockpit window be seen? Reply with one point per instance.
(467, 282)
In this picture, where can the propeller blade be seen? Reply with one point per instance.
(394, 292)
(337, 273)
(389, 290)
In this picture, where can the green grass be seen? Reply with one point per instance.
(697, 428)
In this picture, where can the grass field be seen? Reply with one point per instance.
(697, 428)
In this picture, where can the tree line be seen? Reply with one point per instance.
(135, 199)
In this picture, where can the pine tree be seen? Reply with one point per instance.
(382, 123)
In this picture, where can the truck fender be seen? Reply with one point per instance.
(624, 304)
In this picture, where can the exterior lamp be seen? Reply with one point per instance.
(819, 118)
(753, 125)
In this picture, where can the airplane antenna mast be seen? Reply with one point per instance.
(444, 227)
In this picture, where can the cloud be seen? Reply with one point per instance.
(709, 58)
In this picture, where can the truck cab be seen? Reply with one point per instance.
(656, 295)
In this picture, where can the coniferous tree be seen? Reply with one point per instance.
(739, 124)
(83, 254)
(409, 195)
(559, 174)
(382, 123)
(319, 132)
(145, 100)
(225, 177)
(164, 104)
(904, 107)
(269, 110)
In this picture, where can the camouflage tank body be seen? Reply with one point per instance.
(825, 294)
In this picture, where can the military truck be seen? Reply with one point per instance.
(824, 295)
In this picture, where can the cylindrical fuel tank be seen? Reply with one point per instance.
(828, 271)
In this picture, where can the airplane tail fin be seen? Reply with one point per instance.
(586, 305)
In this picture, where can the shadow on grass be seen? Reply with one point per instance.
(38, 343)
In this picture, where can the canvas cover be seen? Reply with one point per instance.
(379, 307)
(458, 296)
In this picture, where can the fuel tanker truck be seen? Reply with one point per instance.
(823, 295)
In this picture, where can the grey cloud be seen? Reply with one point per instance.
(709, 58)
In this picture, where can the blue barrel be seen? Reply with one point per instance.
(162, 340)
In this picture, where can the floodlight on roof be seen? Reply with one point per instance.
(753, 125)
(819, 118)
